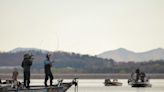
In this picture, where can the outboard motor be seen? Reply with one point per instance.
(60, 81)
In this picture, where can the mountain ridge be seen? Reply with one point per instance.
(71, 62)
(122, 54)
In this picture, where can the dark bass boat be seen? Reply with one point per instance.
(115, 82)
(60, 87)
(139, 79)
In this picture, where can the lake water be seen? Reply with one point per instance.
(96, 85)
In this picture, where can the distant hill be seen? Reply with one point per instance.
(122, 54)
(62, 59)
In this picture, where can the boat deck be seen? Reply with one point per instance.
(36, 89)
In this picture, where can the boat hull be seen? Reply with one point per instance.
(63, 87)
(112, 84)
(141, 84)
(49, 89)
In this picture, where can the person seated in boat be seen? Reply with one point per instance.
(107, 81)
(14, 78)
(137, 75)
(115, 80)
(132, 76)
(142, 76)
(15, 74)
(47, 70)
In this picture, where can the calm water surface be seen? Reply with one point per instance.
(96, 85)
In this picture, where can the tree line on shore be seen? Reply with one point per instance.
(77, 63)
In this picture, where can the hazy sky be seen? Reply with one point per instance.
(82, 26)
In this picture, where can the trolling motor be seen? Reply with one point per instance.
(75, 82)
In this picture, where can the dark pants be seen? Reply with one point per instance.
(27, 79)
(47, 75)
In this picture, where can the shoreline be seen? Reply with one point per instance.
(82, 76)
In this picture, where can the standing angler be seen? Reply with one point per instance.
(47, 70)
(26, 65)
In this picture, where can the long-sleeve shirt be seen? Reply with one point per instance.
(47, 66)
(26, 64)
